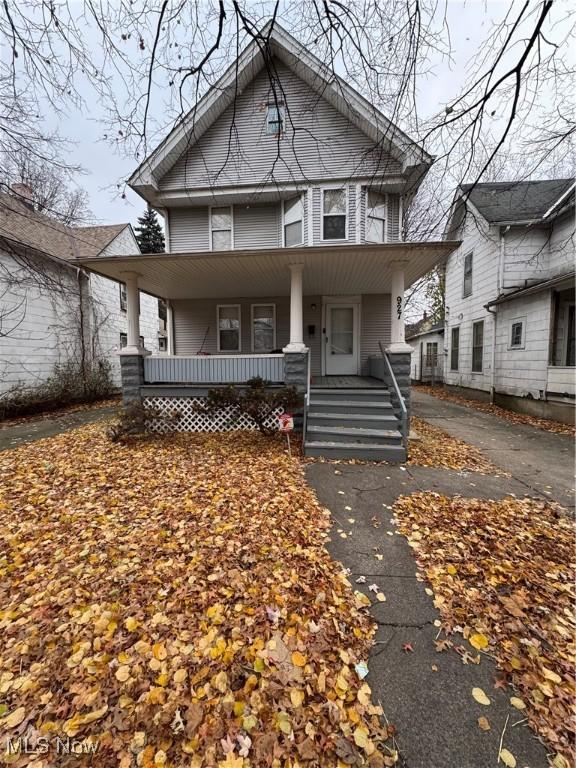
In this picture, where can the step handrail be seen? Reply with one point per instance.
(399, 397)
(306, 398)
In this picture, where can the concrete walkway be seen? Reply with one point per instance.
(542, 461)
(435, 716)
(27, 432)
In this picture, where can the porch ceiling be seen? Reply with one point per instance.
(328, 270)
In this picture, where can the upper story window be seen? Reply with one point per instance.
(274, 119)
(293, 215)
(376, 218)
(467, 285)
(221, 228)
(334, 214)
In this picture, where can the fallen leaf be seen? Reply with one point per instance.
(483, 723)
(507, 758)
(479, 696)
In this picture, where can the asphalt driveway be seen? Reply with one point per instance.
(433, 710)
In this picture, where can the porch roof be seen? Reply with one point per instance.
(328, 270)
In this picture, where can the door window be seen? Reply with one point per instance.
(342, 330)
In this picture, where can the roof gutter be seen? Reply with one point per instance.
(536, 288)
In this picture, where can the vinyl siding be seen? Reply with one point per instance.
(257, 226)
(393, 223)
(195, 325)
(318, 143)
(189, 229)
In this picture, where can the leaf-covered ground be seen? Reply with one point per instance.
(56, 413)
(437, 448)
(512, 416)
(172, 601)
(503, 574)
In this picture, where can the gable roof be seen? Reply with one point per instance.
(423, 327)
(274, 41)
(34, 230)
(517, 201)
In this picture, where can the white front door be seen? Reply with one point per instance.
(341, 341)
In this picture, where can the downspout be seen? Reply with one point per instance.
(494, 313)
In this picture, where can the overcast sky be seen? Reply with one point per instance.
(469, 24)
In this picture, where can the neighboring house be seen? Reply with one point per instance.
(510, 295)
(283, 193)
(427, 341)
(51, 310)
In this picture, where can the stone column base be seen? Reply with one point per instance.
(132, 375)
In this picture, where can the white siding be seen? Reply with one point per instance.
(257, 226)
(419, 353)
(562, 245)
(375, 327)
(483, 242)
(318, 143)
(189, 229)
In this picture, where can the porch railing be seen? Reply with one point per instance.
(212, 369)
(396, 394)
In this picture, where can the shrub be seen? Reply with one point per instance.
(256, 402)
(135, 419)
(68, 383)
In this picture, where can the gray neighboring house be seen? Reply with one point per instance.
(283, 193)
(427, 341)
(510, 296)
(50, 310)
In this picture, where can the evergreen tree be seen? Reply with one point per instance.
(149, 232)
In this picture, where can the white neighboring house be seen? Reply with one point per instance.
(48, 305)
(427, 360)
(510, 290)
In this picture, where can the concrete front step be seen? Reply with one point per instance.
(369, 394)
(349, 434)
(386, 420)
(368, 451)
(373, 407)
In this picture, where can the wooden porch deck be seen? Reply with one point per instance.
(346, 382)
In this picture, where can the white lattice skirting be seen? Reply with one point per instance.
(188, 420)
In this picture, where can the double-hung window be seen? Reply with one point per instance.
(274, 119)
(467, 285)
(334, 214)
(455, 349)
(516, 334)
(293, 215)
(263, 327)
(228, 322)
(477, 346)
(431, 354)
(376, 218)
(221, 228)
(123, 297)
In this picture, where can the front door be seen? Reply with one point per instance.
(341, 340)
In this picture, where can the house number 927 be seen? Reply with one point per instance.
(399, 307)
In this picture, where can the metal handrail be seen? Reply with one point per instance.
(399, 395)
(307, 397)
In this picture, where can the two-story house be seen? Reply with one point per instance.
(509, 329)
(283, 193)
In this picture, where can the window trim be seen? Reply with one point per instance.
(210, 230)
(322, 214)
(516, 321)
(123, 297)
(296, 245)
(454, 328)
(239, 308)
(481, 370)
(368, 216)
(464, 294)
(436, 356)
(278, 105)
(252, 307)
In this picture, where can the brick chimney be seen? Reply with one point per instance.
(24, 193)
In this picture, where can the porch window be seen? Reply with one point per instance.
(221, 228)
(274, 119)
(123, 297)
(563, 348)
(228, 327)
(376, 218)
(477, 346)
(124, 340)
(455, 349)
(516, 334)
(334, 214)
(263, 327)
(431, 354)
(293, 214)
(467, 286)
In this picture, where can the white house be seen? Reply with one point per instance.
(51, 310)
(427, 341)
(509, 327)
(282, 193)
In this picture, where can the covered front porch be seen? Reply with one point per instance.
(285, 314)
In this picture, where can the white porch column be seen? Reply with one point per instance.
(296, 343)
(132, 315)
(170, 327)
(397, 337)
